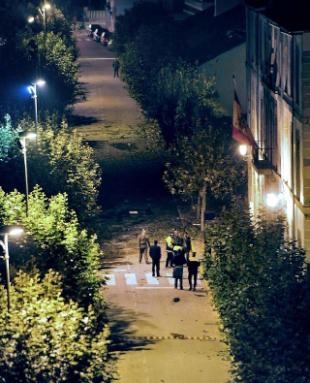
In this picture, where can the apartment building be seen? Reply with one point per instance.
(278, 112)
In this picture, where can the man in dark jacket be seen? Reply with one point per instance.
(177, 263)
(192, 265)
(155, 254)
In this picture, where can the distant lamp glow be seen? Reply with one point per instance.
(23, 142)
(32, 89)
(40, 82)
(30, 19)
(47, 6)
(243, 149)
(13, 231)
(272, 199)
(31, 135)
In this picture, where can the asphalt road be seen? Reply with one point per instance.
(107, 104)
(159, 334)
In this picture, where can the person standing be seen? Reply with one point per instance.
(178, 262)
(155, 254)
(177, 238)
(144, 244)
(116, 65)
(169, 250)
(192, 265)
(187, 244)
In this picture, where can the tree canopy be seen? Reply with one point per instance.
(203, 165)
(29, 51)
(54, 239)
(58, 161)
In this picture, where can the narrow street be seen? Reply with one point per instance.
(159, 334)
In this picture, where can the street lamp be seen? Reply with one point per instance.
(23, 139)
(32, 89)
(46, 7)
(8, 231)
(243, 150)
(272, 199)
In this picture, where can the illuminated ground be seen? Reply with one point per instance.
(160, 334)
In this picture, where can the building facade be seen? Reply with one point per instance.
(278, 115)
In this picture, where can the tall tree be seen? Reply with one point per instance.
(128, 26)
(24, 57)
(201, 165)
(54, 239)
(58, 161)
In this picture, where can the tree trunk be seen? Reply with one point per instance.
(198, 207)
(203, 206)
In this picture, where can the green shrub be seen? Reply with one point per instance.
(45, 339)
(54, 239)
(261, 290)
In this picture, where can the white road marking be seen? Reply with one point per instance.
(170, 279)
(130, 279)
(150, 279)
(110, 280)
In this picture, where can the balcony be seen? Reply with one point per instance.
(262, 165)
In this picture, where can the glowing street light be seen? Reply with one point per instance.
(23, 142)
(46, 7)
(14, 231)
(42, 11)
(243, 150)
(32, 89)
(272, 199)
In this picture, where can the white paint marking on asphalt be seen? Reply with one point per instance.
(151, 280)
(170, 279)
(110, 280)
(130, 278)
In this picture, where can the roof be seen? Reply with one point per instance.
(292, 15)
(207, 36)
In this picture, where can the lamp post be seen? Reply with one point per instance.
(23, 142)
(46, 6)
(33, 91)
(8, 231)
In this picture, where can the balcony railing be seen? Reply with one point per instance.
(261, 163)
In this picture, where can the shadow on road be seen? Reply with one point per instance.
(122, 336)
(76, 120)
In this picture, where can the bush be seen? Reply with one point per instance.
(261, 290)
(45, 339)
(54, 240)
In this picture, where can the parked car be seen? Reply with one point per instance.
(101, 35)
(92, 28)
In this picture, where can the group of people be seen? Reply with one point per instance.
(178, 253)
